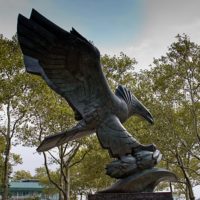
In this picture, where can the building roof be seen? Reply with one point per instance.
(25, 185)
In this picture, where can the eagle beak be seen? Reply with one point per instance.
(149, 118)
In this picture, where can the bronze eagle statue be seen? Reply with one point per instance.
(71, 66)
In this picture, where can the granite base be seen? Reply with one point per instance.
(131, 196)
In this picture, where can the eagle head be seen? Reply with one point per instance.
(135, 107)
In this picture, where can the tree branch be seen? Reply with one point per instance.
(189, 150)
(62, 164)
(49, 176)
(75, 163)
(57, 160)
(73, 153)
(190, 169)
(15, 124)
(3, 133)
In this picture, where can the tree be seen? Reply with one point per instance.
(172, 90)
(88, 173)
(22, 174)
(41, 175)
(29, 109)
(2, 149)
(49, 114)
(14, 101)
(119, 70)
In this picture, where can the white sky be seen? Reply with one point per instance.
(160, 22)
(164, 19)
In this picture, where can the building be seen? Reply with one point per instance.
(28, 189)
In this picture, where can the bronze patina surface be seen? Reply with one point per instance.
(71, 65)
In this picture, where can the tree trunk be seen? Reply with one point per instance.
(60, 195)
(68, 183)
(188, 184)
(60, 192)
(186, 193)
(190, 191)
(5, 184)
(187, 179)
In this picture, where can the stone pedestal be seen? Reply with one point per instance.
(131, 196)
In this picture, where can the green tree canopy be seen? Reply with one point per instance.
(14, 101)
(22, 174)
(172, 91)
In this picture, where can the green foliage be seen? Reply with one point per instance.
(33, 198)
(41, 175)
(88, 173)
(48, 114)
(14, 98)
(2, 149)
(172, 92)
(118, 70)
(21, 174)
(12, 79)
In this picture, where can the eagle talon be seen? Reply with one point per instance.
(149, 147)
(147, 159)
(128, 165)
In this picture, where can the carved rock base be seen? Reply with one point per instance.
(131, 196)
(145, 181)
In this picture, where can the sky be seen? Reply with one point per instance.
(142, 29)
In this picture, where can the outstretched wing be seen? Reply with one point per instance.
(114, 137)
(63, 137)
(66, 60)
